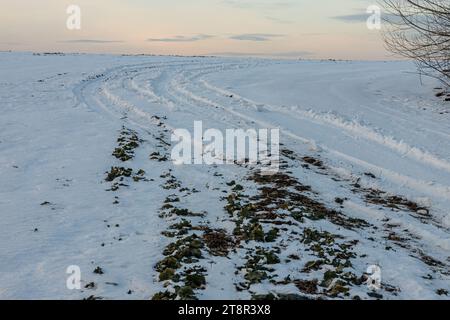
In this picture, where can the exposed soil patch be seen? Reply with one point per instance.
(218, 242)
(117, 175)
(394, 202)
(282, 191)
(178, 271)
(128, 141)
(307, 286)
(283, 201)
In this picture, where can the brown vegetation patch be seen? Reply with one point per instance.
(218, 242)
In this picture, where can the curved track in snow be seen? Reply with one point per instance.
(378, 146)
(180, 91)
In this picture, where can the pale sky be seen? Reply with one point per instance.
(281, 28)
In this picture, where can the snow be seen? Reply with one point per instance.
(62, 114)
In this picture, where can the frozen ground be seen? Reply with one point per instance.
(365, 180)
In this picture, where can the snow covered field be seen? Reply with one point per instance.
(87, 180)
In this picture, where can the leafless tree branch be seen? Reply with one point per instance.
(420, 30)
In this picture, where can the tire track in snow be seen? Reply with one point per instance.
(395, 177)
(177, 81)
(179, 92)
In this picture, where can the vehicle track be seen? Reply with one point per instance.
(177, 91)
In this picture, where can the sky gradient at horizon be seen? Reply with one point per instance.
(277, 28)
